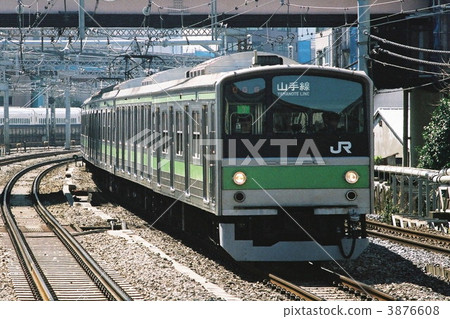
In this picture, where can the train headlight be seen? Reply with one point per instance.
(351, 177)
(239, 178)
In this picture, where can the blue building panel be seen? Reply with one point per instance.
(304, 51)
(353, 45)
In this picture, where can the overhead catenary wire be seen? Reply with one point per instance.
(445, 76)
(407, 68)
(413, 59)
(247, 3)
(340, 8)
(249, 8)
(407, 46)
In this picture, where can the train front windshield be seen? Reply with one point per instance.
(295, 108)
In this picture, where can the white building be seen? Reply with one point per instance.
(388, 126)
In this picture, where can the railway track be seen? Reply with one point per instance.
(20, 158)
(330, 286)
(55, 266)
(429, 241)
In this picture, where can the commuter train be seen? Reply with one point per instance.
(270, 158)
(29, 126)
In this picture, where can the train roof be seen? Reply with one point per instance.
(15, 111)
(167, 75)
(59, 111)
(238, 61)
(204, 75)
(209, 71)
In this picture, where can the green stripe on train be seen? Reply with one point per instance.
(196, 171)
(295, 177)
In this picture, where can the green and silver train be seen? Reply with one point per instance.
(270, 158)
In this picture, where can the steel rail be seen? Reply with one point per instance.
(445, 239)
(7, 161)
(35, 277)
(103, 281)
(362, 288)
(410, 242)
(296, 290)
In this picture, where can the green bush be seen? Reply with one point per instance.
(435, 154)
(388, 210)
(378, 160)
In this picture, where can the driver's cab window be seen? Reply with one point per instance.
(245, 107)
(285, 121)
(245, 119)
(241, 119)
(241, 123)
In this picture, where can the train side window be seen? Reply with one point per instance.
(153, 130)
(179, 133)
(165, 133)
(105, 125)
(135, 122)
(143, 116)
(196, 132)
(102, 121)
(113, 118)
(108, 125)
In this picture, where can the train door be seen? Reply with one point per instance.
(99, 147)
(128, 138)
(92, 132)
(104, 136)
(157, 143)
(196, 172)
(117, 136)
(111, 135)
(204, 153)
(187, 152)
(171, 149)
(122, 137)
(88, 132)
(107, 136)
(142, 148)
(212, 154)
(151, 128)
(97, 136)
(178, 149)
(133, 138)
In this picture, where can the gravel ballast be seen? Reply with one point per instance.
(393, 268)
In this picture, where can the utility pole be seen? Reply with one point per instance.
(363, 33)
(52, 141)
(405, 162)
(5, 88)
(6, 114)
(47, 122)
(81, 23)
(214, 20)
(67, 121)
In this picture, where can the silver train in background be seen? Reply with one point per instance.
(30, 126)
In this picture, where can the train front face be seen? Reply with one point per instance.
(296, 169)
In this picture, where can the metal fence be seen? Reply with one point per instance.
(413, 191)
